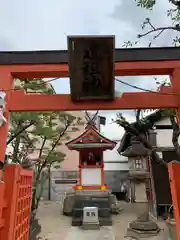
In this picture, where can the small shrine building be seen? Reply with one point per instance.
(91, 145)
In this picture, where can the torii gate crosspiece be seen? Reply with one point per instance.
(128, 62)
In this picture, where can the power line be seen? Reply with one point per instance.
(144, 89)
(118, 80)
(51, 80)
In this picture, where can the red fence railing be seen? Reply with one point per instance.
(15, 203)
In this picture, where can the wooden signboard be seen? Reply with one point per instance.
(91, 67)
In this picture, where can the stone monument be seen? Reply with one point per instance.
(90, 218)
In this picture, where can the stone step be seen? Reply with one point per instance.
(91, 226)
(103, 221)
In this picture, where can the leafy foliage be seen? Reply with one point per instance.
(40, 134)
(148, 4)
(173, 14)
(141, 126)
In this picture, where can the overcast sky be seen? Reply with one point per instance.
(45, 24)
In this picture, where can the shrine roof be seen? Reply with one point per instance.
(91, 138)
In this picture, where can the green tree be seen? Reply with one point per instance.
(148, 28)
(141, 127)
(173, 13)
(52, 133)
(39, 133)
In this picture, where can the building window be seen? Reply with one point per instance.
(138, 164)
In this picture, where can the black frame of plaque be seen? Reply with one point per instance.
(91, 67)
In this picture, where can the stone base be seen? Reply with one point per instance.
(140, 234)
(143, 227)
(99, 201)
(72, 197)
(76, 222)
(105, 221)
(90, 226)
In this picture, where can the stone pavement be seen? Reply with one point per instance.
(55, 226)
(105, 233)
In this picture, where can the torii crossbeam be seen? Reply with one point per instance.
(154, 61)
(128, 62)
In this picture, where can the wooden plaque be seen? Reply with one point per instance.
(91, 67)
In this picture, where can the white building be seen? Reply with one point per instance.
(116, 170)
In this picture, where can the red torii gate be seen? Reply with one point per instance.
(128, 62)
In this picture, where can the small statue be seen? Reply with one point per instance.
(91, 160)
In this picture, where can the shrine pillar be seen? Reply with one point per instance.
(175, 83)
(174, 168)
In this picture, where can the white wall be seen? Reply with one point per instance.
(164, 136)
(119, 163)
(91, 177)
(116, 167)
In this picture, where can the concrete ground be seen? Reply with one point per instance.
(55, 226)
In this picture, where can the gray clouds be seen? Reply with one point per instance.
(45, 24)
(128, 13)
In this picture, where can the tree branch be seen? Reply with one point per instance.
(42, 146)
(40, 152)
(138, 115)
(52, 149)
(160, 30)
(58, 139)
(134, 131)
(175, 3)
(154, 29)
(45, 138)
(19, 132)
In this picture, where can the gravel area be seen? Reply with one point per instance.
(55, 226)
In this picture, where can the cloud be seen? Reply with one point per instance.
(112, 130)
(127, 12)
(45, 24)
